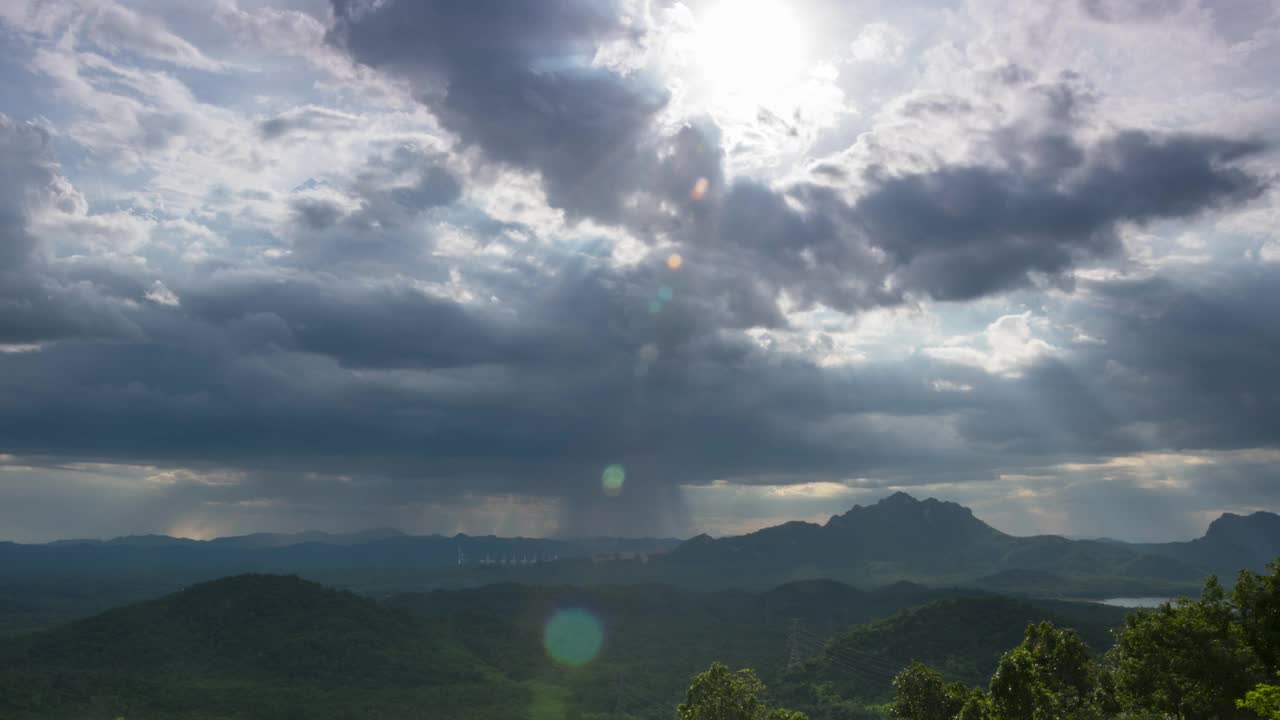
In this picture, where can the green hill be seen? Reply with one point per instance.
(249, 646)
(961, 637)
(273, 647)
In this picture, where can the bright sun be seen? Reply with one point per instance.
(750, 50)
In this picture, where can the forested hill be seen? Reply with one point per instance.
(272, 647)
(248, 646)
(961, 637)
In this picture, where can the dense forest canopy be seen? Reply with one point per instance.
(279, 647)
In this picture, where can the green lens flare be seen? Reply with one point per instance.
(573, 636)
(612, 479)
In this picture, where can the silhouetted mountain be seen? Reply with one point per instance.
(385, 550)
(900, 528)
(149, 541)
(918, 537)
(902, 537)
(286, 539)
(898, 538)
(1231, 542)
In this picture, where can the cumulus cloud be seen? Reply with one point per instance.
(1004, 348)
(878, 42)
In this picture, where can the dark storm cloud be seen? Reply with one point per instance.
(288, 375)
(361, 325)
(1184, 364)
(517, 80)
(760, 242)
(1044, 203)
(961, 232)
(377, 218)
(1200, 355)
(244, 374)
(285, 370)
(35, 308)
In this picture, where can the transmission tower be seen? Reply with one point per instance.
(793, 644)
(617, 688)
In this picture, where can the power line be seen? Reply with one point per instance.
(869, 663)
(828, 647)
(867, 667)
(863, 661)
(879, 671)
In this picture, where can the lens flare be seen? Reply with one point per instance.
(699, 189)
(655, 307)
(612, 479)
(665, 293)
(675, 261)
(573, 636)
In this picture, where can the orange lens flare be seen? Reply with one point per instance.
(699, 189)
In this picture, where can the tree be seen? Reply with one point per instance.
(1257, 603)
(920, 694)
(1050, 676)
(977, 707)
(1188, 660)
(718, 694)
(1263, 700)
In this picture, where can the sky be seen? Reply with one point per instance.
(629, 267)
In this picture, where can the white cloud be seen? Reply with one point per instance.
(1270, 251)
(949, 386)
(9, 348)
(114, 27)
(1005, 348)
(108, 26)
(878, 42)
(162, 295)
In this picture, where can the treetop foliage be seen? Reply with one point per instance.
(1192, 659)
(718, 694)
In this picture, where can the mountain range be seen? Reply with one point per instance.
(897, 538)
(901, 537)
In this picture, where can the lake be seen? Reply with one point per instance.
(1134, 602)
